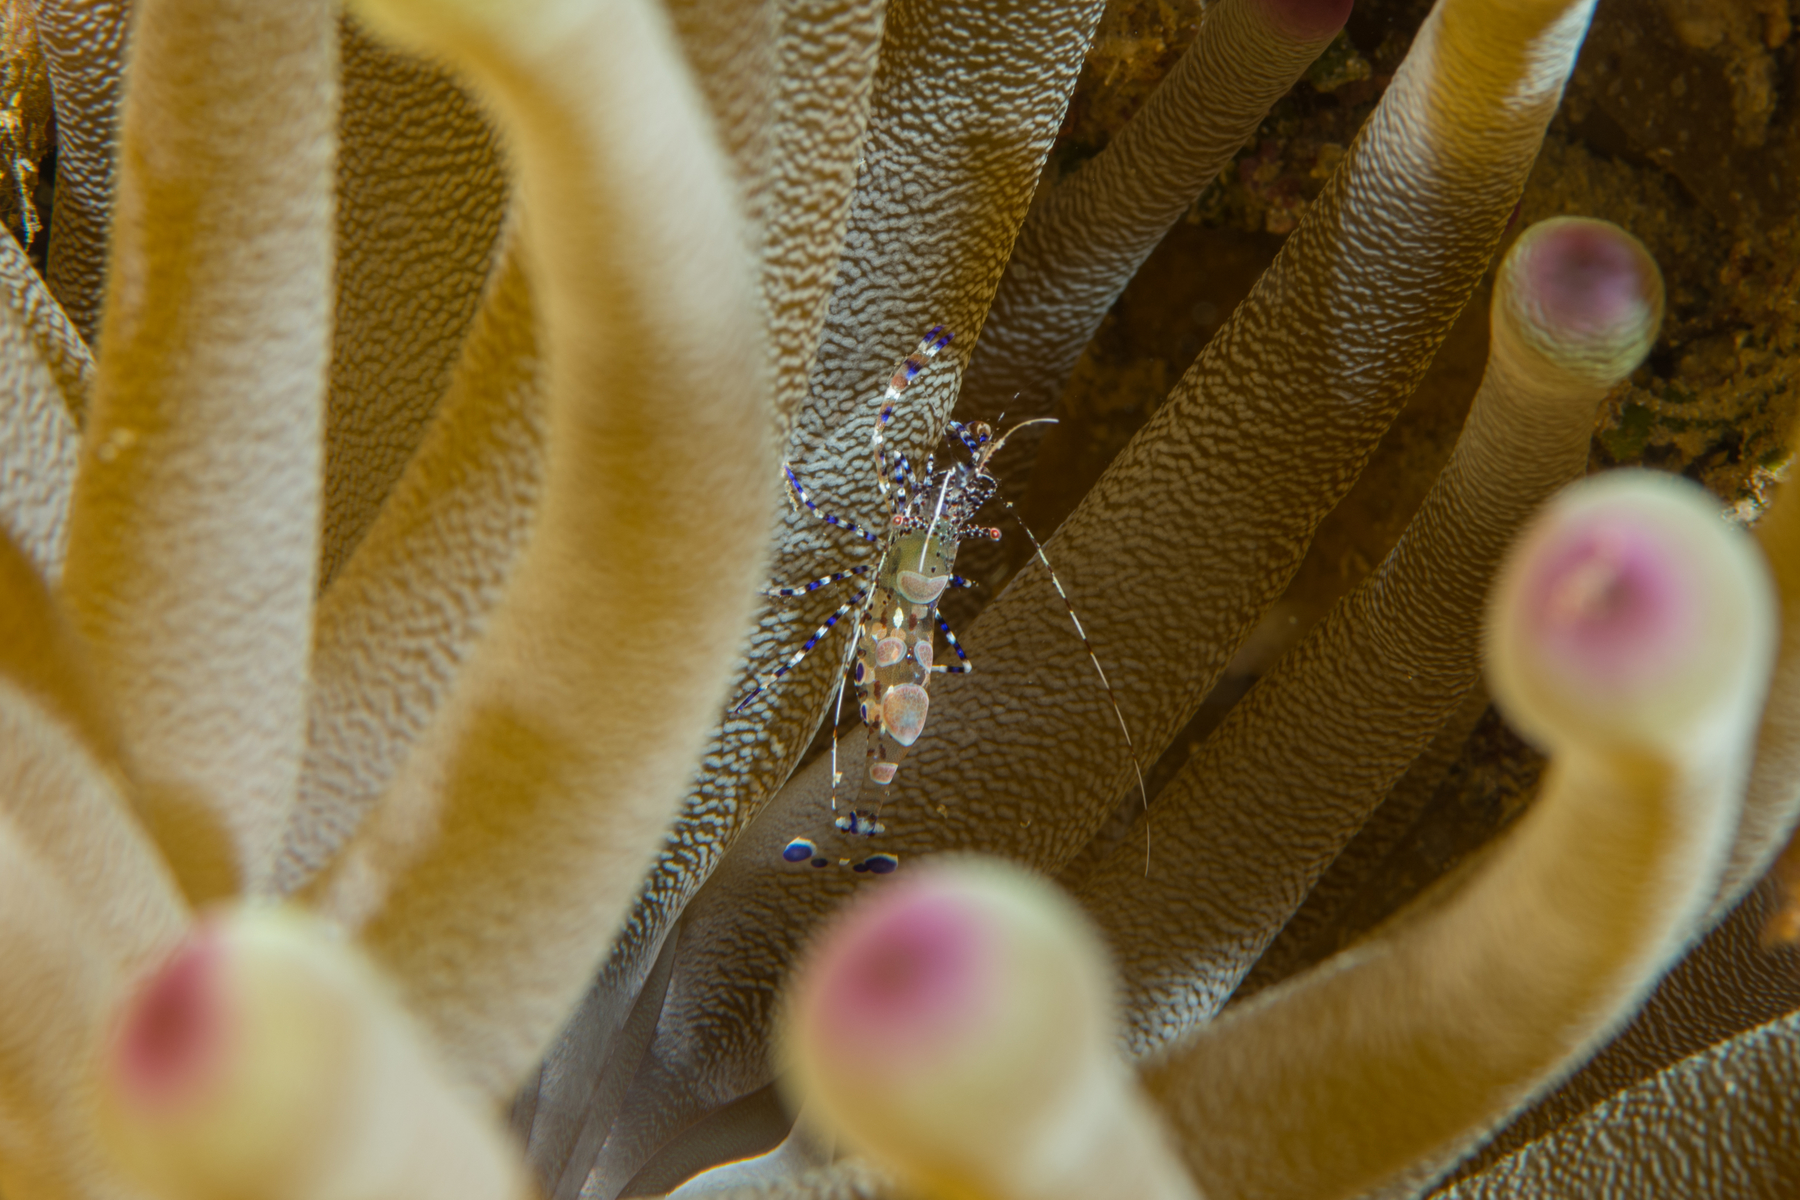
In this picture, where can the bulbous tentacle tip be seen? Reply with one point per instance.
(902, 976)
(940, 1019)
(174, 1030)
(1306, 20)
(1583, 296)
(1631, 615)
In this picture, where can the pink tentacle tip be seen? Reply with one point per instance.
(174, 1029)
(1307, 20)
(907, 972)
(1586, 276)
(1611, 601)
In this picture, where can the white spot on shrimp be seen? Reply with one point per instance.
(903, 712)
(889, 651)
(883, 772)
(922, 653)
(920, 588)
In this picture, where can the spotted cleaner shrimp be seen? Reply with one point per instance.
(891, 656)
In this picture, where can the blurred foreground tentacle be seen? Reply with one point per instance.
(1255, 817)
(64, 781)
(958, 1026)
(1630, 635)
(546, 784)
(193, 542)
(264, 1058)
(53, 997)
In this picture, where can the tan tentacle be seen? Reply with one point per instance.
(396, 626)
(84, 45)
(1083, 243)
(1195, 529)
(265, 1059)
(546, 784)
(53, 997)
(421, 193)
(959, 1027)
(1252, 820)
(1630, 634)
(193, 539)
(1717, 1126)
(63, 780)
(45, 373)
(825, 56)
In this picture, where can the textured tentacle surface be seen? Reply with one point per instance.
(64, 781)
(84, 47)
(1717, 1125)
(1630, 633)
(826, 51)
(1726, 986)
(968, 96)
(1249, 824)
(556, 763)
(420, 195)
(44, 377)
(194, 522)
(1082, 244)
(423, 582)
(1024, 758)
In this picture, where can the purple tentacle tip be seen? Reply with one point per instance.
(1587, 277)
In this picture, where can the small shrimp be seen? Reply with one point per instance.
(891, 657)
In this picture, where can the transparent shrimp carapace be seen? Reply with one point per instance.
(892, 653)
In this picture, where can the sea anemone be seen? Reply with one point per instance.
(411, 544)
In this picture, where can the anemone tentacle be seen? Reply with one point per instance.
(85, 50)
(1722, 1125)
(1299, 763)
(421, 193)
(1085, 240)
(424, 580)
(598, 670)
(193, 526)
(1630, 632)
(45, 377)
(1283, 406)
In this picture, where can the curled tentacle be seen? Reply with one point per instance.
(1253, 819)
(1630, 635)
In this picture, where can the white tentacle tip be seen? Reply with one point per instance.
(1583, 296)
(1632, 616)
